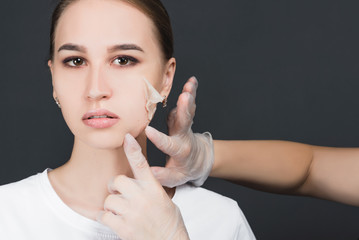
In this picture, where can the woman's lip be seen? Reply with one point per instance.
(99, 112)
(100, 122)
(103, 122)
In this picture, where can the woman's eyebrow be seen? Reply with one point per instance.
(72, 47)
(125, 47)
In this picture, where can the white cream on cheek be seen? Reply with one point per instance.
(152, 98)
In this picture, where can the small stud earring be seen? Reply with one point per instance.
(57, 102)
(164, 102)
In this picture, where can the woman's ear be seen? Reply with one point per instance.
(49, 63)
(169, 74)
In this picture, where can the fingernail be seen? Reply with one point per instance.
(194, 78)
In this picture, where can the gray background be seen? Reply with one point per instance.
(267, 69)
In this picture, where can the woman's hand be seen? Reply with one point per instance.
(140, 208)
(191, 154)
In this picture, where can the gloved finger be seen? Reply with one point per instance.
(162, 141)
(186, 108)
(138, 163)
(116, 204)
(191, 86)
(122, 184)
(168, 177)
(171, 120)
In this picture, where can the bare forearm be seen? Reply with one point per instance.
(275, 166)
(290, 168)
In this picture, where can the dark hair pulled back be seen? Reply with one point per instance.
(153, 9)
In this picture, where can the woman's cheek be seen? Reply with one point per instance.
(136, 115)
(70, 95)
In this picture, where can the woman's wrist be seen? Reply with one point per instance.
(217, 158)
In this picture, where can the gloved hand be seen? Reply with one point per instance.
(140, 208)
(191, 154)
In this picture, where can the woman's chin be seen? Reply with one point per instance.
(104, 142)
(105, 146)
(110, 138)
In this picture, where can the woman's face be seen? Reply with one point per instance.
(102, 52)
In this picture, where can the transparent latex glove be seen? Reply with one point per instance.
(140, 208)
(190, 154)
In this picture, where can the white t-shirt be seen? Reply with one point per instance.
(31, 209)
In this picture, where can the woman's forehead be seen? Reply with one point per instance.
(107, 23)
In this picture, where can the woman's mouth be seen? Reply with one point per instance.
(100, 118)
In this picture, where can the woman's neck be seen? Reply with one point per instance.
(82, 182)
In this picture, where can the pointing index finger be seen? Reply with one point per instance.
(138, 162)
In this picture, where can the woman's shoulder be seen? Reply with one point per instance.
(21, 197)
(207, 212)
(21, 188)
(189, 194)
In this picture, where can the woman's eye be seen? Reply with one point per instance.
(123, 61)
(75, 62)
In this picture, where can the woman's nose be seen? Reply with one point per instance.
(97, 86)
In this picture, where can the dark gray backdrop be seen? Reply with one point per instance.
(267, 69)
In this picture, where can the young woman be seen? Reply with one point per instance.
(111, 62)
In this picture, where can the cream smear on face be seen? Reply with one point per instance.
(152, 98)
